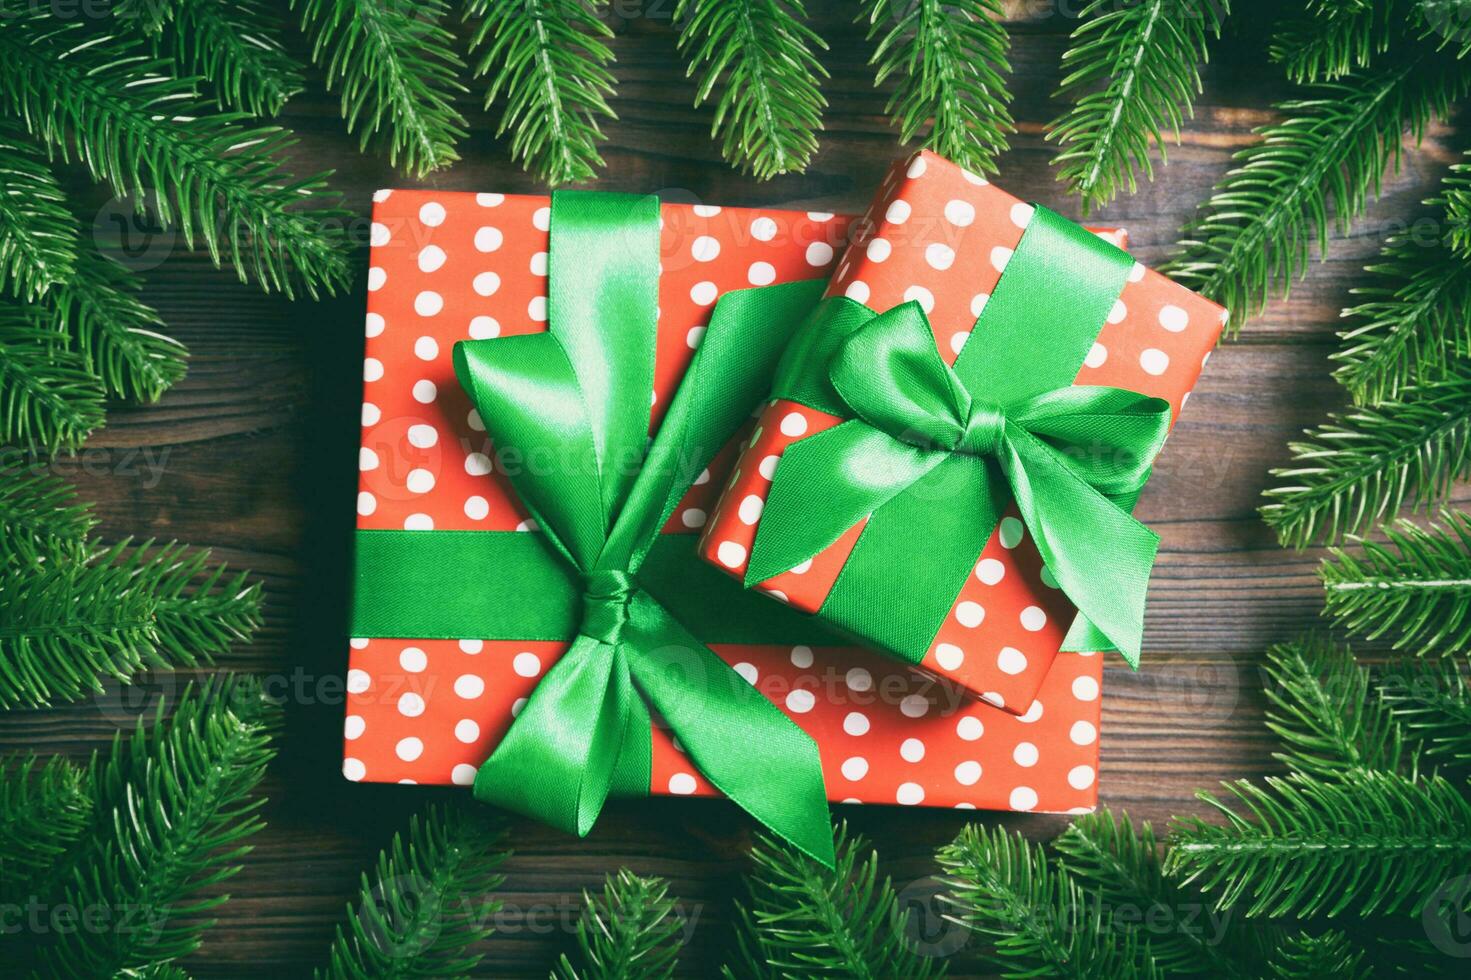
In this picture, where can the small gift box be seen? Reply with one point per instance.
(531, 617)
(957, 435)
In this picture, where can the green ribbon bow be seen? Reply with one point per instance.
(569, 413)
(931, 452)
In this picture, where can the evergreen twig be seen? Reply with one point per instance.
(236, 48)
(37, 232)
(40, 519)
(1432, 703)
(630, 931)
(1334, 37)
(44, 808)
(49, 398)
(1327, 956)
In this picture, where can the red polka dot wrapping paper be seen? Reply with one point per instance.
(942, 236)
(449, 266)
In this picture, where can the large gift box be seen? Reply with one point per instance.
(917, 559)
(432, 695)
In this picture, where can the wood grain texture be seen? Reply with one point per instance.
(253, 454)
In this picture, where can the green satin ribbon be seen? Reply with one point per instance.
(573, 405)
(932, 453)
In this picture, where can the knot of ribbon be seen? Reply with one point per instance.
(605, 598)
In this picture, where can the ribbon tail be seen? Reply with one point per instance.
(582, 734)
(1100, 555)
(740, 741)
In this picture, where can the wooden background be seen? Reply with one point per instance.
(253, 454)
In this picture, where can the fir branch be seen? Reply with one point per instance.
(1121, 863)
(43, 811)
(428, 903)
(1361, 467)
(40, 518)
(37, 232)
(399, 75)
(49, 398)
(1040, 921)
(1455, 196)
(236, 48)
(66, 627)
(148, 17)
(1322, 710)
(174, 806)
(949, 61)
(1447, 22)
(548, 59)
(1133, 72)
(631, 932)
(1371, 842)
(1432, 702)
(1416, 585)
(1328, 956)
(804, 920)
(135, 126)
(1255, 233)
(1335, 37)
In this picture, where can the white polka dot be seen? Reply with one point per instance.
(1097, 354)
(1173, 318)
(419, 481)
(968, 773)
(484, 327)
(1083, 733)
(970, 614)
(1136, 272)
(463, 774)
(693, 337)
(761, 274)
(426, 348)
(477, 464)
(705, 249)
(413, 660)
(999, 257)
(418, 522)
(411, 705)
(949, 656)
(379, 196)
(855, 768)
(367, 503)
(541, 218)
(431, 258)
(857, 291)
(916, 166)
(376, 278)
(820, 215)
(1011, 660)
(856, 723)
(528, 525)
(957, 341)
(466, 730)
(939, 256)
(763, 229)
(472, 646)
(1085, 689)
(1021, 214)
(1033, 712)
(358, 681)
(704, 293)
(367, 460)
(970, 728)
(990, 571)
(682, 784)
(354, 769)
(1025, 754)
(960, 213)
(469, 686)
(801, 657)
(516, 707)
(898, 212)
(1033, 619)
(747, 671)
(801, 568)
(858, 679)
(432, 214)
(878, 250)
(374, 325)
(372, 369)
(379, 235)
(539, 264)
(526, 664)
(487, 283)
(1011, 532)
(767, 466)
(914, 706)
(978, 303)
(425, 391)
(1023, 798)
(750, 510)
(371, 413)
(920, 295)
(353, 727)
(731, 554)
(1080, 777)
(358, 643)
(703, 478)
(693, 517)
(794, 424)
(488, 239)
(1117, 312)
(801, 701)
(911, 750)
(910, 794)
(477, 508)
(409, 749)
(489, 200)
(1154, 361)
(819, 253)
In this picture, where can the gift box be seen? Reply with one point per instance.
(994, 619)
(430, 707)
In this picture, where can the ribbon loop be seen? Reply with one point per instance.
(605, 598)
(984, 430)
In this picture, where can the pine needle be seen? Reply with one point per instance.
(49, 398)
(37, 232)
(428, 903)
(148, 17)
(41, 521)
(1255, 233)
(1327, 956)
(1358, 469)
(1371, 842)
(1335, 37)
(1416, 586)
(174, 806)
(1322, 710)
(236, 48)
(1447, 23)
(399, 74)
(43, 810)
(948, 60)
(548, 59)
(1133, 72)
(630, 931)
(120, 111)
(1432, 702)
(1455, 195)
